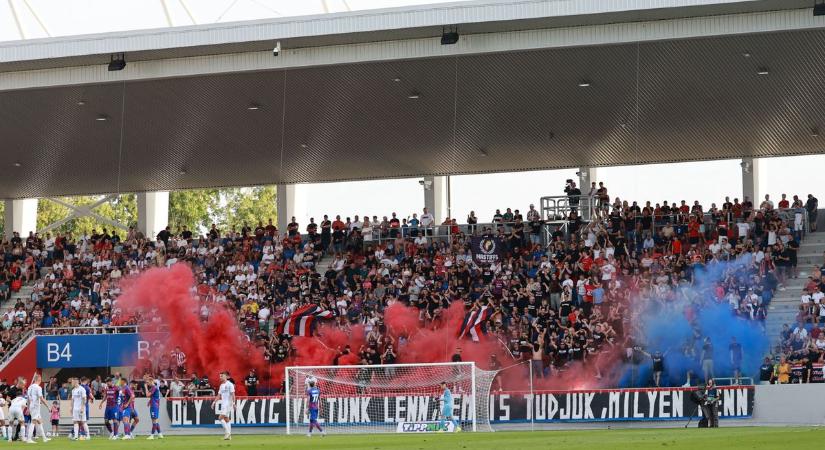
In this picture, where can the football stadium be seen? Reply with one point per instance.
(386, 224)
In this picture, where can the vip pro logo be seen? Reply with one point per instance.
(419, 427)
(423, 427)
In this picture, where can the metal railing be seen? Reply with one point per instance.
(788, 215)
(554, 210)
(202, 391)
(448, 232)
(658, 222)
(12, 352)
(731, 381)
(63, 331)
(557, 208)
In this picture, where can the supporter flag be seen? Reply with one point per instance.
(475, 323)
(486, 249)
(302, 321)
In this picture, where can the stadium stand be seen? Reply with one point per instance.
(561, 294)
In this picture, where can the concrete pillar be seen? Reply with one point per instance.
(286, 205)
(750, 180)
(21, 216)
(435, 197)
(153, 212)
(586, 176)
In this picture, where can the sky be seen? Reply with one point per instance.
(73, 17)
(707, 182)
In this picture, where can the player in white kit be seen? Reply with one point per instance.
(79, 401)
(16, 415)
(35, 397)
(3, 424)
(226, 396)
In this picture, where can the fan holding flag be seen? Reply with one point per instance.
(302, 321)
(475, 321)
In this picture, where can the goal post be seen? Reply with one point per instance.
(391, 398)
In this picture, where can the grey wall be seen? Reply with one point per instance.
(790, 404)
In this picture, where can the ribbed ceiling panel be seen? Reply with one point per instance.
(648, 103)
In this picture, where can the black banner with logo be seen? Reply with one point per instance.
(579, 406)
(486, 249)
(817, 375)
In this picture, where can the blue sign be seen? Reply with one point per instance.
(91, 350)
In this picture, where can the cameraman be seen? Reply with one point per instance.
(573, 195)
(710, 406)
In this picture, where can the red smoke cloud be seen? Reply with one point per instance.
(219, 344)
(210, 347)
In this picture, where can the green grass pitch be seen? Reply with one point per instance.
(635, 439)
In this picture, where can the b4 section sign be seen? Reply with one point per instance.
(95, 350)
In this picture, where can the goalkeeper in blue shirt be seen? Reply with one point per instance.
(446, 401)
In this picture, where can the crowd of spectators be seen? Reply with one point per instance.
(802, 346)
(561, 291)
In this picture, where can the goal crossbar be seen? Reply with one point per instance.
(388, 397)
(378, 366)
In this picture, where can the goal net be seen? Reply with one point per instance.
(391, 398)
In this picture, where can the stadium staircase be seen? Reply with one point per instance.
(24, 294)
(785, 304)
(21, 359)
(323, 264)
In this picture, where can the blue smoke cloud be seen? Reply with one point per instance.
(663, 326)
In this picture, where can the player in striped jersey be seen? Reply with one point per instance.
(313, 405)
(112, 402)
(127, 400)
(152, 388)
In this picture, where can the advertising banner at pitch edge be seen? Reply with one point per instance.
(504, 407)
(426, 427)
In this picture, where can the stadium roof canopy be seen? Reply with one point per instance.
(373, 94)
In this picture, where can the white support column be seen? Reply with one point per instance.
(153, 212)
(435, 197)
(286, 205)
(586, 176)
(20, 216)
(750, 180)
